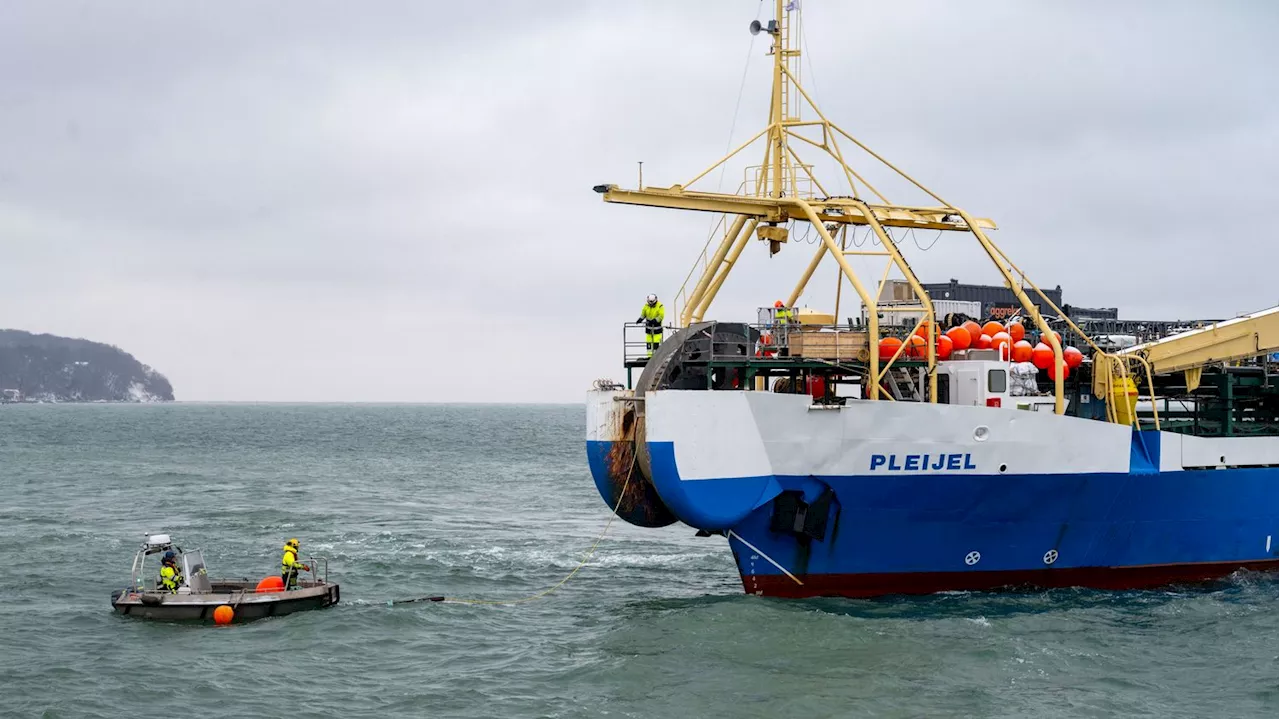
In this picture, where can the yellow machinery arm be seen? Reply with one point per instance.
(1227, 341)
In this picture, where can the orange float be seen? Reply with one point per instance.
(944, 347)
(960, 338)
(915, 346)
(1042, 356)
(991, 328)
(983, 342)
(1021, 351)
(974, 329)
(889, 345)
(1065, 371)
(270, 584)
(1073, 357)
(1017, 331)
(224, 614)
(1000, 340)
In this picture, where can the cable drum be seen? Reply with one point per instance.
(680, 362)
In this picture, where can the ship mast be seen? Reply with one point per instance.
(785, 189)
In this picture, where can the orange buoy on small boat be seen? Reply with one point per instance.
(270, 584)
(991, 328)
(982, 342)
(1072, 356)
(974, 329)
(223, 615)
(1017, 331)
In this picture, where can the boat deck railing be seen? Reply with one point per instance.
(316, 575)
(770, 341)
(142, 584)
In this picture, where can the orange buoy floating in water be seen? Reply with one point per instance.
(270, 584)
(991, 328)
(889, 345)
(982, 342)
(960, 338)
(1042, 356)
(1022, 351)
(944, 347)
(224, 614)
(1072, 356)
(1017, 331)
(915, 346)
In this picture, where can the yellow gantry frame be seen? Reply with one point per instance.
(776, 200)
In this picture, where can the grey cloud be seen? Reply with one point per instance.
(329, 201)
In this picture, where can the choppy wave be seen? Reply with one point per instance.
(411, 501)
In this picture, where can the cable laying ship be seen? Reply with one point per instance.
(841, 460)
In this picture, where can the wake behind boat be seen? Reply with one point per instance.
(867, 457)
(203, 598)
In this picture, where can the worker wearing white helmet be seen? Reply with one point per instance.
(652, 314)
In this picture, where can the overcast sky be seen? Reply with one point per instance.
(392, 201)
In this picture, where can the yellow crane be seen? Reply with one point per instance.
(783, 188)
(1231, 340)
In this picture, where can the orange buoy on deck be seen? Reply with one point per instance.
(224, 614)
(915, 346)
(944, 347)
(1072, 356)
(1001, 340)
(991, 328)
(960, 338)
(1017, 331)
(974, 329)
(889, 345)
(982, 342)
(1042, 356)
(1066, 371)
(270, 584)
(1022, 351)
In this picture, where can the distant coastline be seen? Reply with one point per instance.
(45, 368)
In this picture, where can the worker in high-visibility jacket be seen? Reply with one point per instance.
(170, 576)
(781, 312)
(290, 566)
(652, 314)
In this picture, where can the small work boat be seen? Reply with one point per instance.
(200, 597)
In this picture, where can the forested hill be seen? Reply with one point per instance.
(49, 368)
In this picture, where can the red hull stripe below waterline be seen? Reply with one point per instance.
(873, 585)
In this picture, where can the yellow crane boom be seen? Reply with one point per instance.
(1227, 341)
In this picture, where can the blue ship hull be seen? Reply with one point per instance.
(925, 533)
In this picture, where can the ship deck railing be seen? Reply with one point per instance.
(780, 345)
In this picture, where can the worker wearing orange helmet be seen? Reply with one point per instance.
(781, 312)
